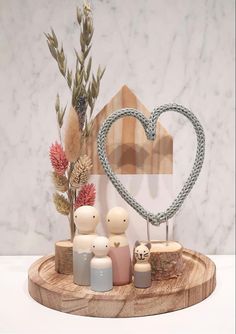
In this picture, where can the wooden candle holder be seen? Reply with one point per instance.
(64, 257)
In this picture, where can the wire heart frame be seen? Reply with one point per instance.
(149, 125)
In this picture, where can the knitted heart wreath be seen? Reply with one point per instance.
(149, 126)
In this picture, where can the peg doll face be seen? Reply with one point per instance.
(117, 220)
(142, 252)
(86, 219)
(100, 246)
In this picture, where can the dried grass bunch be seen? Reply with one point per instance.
(71, 167)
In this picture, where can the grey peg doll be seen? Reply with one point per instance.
(86, 219)
(101, 266)
(142, 268)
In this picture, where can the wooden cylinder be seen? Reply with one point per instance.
(166, 259)
(64, 257)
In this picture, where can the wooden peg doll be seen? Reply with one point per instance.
(86, 219)
(101, 266)
(142, 268)
(117, 223)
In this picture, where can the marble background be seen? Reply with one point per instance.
(165, 50)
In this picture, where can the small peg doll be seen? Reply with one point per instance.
(117, 223)
(101, 266)
(142, 268)
(86, 219)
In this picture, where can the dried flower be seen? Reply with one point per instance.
(86, 196)
(72, 136)
(81, 171)
(81, 81)
(58, 159)
(61, 203)
(60, 182)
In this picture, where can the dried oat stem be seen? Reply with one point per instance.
(82, 82)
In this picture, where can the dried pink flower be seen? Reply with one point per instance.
(86, 196)
(58, 159)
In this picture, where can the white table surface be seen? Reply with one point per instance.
(19, 313)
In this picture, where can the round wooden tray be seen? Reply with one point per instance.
(57, 291)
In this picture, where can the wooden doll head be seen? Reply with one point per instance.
(86, 219)
(142, 251)
(117, 220)
(100, 246)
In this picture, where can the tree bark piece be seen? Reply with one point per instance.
(64, 257)
(166, 260)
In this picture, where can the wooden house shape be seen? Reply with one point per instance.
(128, 149)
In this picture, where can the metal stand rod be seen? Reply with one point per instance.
(167, 232)
(148, 229)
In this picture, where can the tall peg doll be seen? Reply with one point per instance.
(86, 219)
(117, 223)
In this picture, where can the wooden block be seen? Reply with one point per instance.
(64, 257)
(128, 150)
(166, 261)
(58, 291)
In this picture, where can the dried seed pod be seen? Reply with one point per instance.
(61, 203)
(86, 196)
(81, 171)
(58, 158)
(60, 182)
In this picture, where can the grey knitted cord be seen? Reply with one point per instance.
(149, 126)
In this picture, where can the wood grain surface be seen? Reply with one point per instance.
(57, 291)
(128, 150)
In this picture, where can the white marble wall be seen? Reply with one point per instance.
(166, 51)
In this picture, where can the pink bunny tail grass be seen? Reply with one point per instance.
(58, 159)
(86, 196)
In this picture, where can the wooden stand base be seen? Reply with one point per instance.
(58, 291)
(64, 257)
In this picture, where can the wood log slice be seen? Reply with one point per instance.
(166, 259)
(64, 257)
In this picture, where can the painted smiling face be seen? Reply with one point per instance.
(142, 252)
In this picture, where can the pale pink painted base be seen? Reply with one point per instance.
(121, 265)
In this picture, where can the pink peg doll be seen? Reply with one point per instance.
(117, 223)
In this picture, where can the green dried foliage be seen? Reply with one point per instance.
(81, 81)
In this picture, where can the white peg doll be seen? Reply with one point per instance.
(142, 268)
(101, 266)
(117, 223)
(86, 219)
